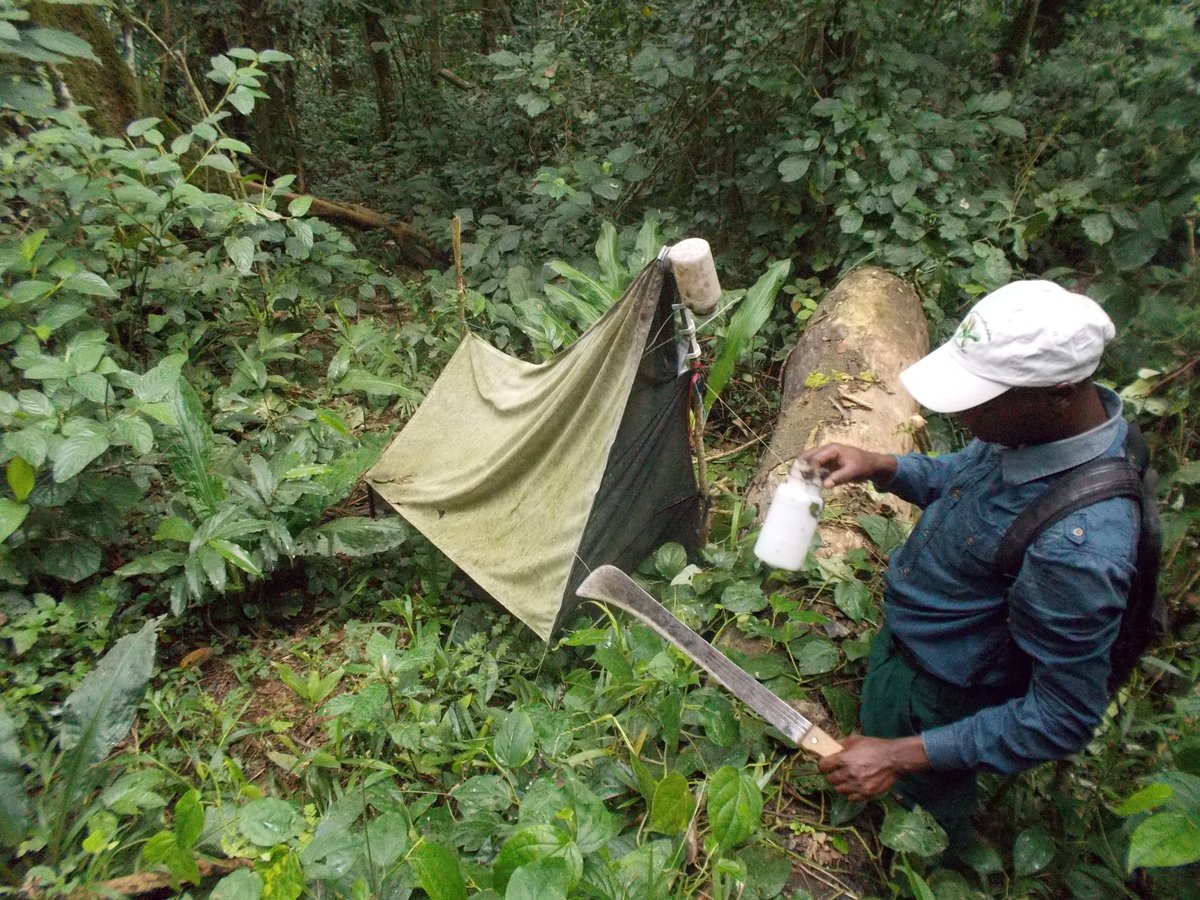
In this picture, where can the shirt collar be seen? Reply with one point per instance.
(1024, 464)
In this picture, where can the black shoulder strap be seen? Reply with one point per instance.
(1100, 479)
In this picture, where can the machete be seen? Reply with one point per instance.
(610, 585)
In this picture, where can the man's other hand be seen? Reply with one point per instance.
(868, 767)
(843, 463)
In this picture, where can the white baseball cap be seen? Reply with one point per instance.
(1025, 334)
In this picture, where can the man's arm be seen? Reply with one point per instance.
(913, 477)
(1065, 610)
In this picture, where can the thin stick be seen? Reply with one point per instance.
(460, 284)
(701, 461)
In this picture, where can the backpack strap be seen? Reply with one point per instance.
(1100, 479)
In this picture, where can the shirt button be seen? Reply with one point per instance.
(906, 569)
(1078, 532)
(956, 493)
(970, 540)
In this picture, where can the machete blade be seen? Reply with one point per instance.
(610, 585)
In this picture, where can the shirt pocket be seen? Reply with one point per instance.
(979, 545)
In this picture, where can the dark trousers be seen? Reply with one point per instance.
(900, 700)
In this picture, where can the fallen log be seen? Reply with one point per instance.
(840, 384)
(411, 242)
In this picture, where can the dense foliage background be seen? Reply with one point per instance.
(227, 276)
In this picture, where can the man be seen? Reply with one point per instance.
(972, 671)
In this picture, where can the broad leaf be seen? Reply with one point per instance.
(1033, 850)
(14, 802)
(912, 831)
(672, 807)
(1165, 839)
(752, 313)
(513, 744)
(76, 453)
(269, 821)
(11, 516)
(99, 713)
(352, 536)
(533, 843)
(438, 871)
(734, 806)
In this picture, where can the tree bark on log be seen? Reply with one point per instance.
(841, 383)
(410, 242)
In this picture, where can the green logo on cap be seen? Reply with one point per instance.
(968, 331)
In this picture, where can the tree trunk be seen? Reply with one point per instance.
(275, 133)
(108, 87)
(385, 91)
(840, 384)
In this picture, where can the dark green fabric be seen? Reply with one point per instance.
(899, 700)
(529, 475)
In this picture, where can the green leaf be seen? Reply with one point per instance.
(275, 56)
(158, 383)
(191, 450)
(189, 819)
(752, 313)
(886, 534)
(269, 821)
(151, 564)
(513, 744)
(851, 221)
(11, 516)
(542, 879)
(76, 453)
(241, 252)
(920, 889)
(438, 872)
(606, 254)
(236, 555)
(854, 599)
(352, 536)
(243, 884)
(1098, 228)
(21, 478)
(14, 802)
(174, 529)
(597, 296)
(912, 831)
(532, 843)
(30, 443)
(670, 559)
(140, 126)
(532, 104)
(1164, 839)
(793, 168)
(1033, 850)
(221, 163)
(361, 380)
(72, 560)
(815, 656)
(734, 806)
(672, 807)
(743, 597)
(63, 42)
(1148, 798)
(299, 206)
(99, 713)
(1008, 126)
(90, 284)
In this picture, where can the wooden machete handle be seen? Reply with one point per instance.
(818, 741)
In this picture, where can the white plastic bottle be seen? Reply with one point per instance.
(791, 520)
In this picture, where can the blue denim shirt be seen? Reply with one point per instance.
(945, 600)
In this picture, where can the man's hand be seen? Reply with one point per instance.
(843, 463)
(868, 767)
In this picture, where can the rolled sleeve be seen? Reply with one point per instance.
(920, 479)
